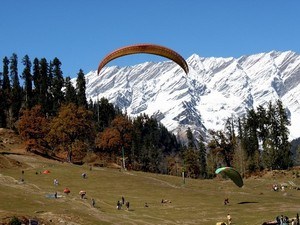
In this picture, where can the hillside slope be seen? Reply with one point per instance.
(30, 195)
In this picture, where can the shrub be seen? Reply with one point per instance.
(15, 221)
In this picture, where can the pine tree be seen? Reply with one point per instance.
(152, 145)
(51, 110)
(240, 156)
(202, 158)
(80, 89)
(191, 156)
(191, 163)
(6, 92)
(263, 123)
(271, 144)
(105, 112)
(167, 141)
(2, 106)
(70, 94)
(27, 76)
(91, 106)
(57, 85)
(135, 156)
(277, 153)
(240, 128)
(155, 159)
(6, 82)
(284, 145)
(222, 147)
(229, 129)
(37, 82)
(297, 156)
(250, 141)
(190, 138)
(44, 86)
(16, 92)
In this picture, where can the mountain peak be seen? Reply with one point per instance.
(214, 90)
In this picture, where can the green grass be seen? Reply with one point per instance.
(195, 202)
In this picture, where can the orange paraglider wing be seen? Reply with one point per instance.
(145, 48)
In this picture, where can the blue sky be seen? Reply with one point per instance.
(81, 32)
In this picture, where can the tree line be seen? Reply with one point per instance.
(257, 141)
(43, 85)
(54, 118)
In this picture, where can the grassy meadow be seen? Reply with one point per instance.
(192, 202)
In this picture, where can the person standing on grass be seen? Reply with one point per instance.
(127, 205)
(119, 205)
(22, 176)
(93, 202)
(229, 218)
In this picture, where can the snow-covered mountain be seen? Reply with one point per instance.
(214, 90)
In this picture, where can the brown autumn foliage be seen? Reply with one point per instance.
(108, 139)
(72, 131)
(33, 128)
(118, 135)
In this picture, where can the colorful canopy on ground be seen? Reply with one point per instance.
(67, 190)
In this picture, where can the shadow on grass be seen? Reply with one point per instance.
(241, 203)
(10, 153)
(34, 152)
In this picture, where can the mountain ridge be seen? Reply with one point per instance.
(214, 90)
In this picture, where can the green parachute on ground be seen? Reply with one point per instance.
(233, 174)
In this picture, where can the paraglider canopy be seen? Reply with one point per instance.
(145, 48)
(233, 174)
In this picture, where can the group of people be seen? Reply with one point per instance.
(276, 187)
(284, 220)
(165, 201)
(122, 202)
(81, 193)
